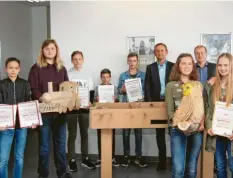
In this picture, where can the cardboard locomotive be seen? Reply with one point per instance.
(66, 99)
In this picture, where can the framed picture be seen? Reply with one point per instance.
(144, 47)
(216, 44)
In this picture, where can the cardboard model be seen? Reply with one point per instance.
(66, 99)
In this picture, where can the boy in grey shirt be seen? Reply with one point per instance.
(105, 75)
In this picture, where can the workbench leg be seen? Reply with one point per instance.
(106, 153)
(207, 170)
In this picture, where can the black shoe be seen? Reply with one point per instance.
(161, 167)
(125, 162)
(98, 163)
(67, 175)
(88, 164)
(73, 166)
(115, 163)
(140, 162)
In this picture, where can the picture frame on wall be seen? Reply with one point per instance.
(216, 44)
(144, 47)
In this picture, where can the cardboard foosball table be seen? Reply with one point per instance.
(134, 115)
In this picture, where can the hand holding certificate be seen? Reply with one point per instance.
(29, 114)
(134, 89)
(106, 93)
(223, 120)
(6, 116)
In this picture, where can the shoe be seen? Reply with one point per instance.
(126, 162)
(98, 163)
(73, 166)
(161, 167)
(140, 162)
(88, 164)
(66, 175)
(115, 163)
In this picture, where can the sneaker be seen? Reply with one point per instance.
(98, 163)
(126, 162)
(88, 164)
(73, 166)
(115, 163)
(140, 162)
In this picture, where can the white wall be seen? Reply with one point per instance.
(23, 29)
(39, 29)
(15, 34)
(99, 29)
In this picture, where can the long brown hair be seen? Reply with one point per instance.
(41, 61)
(175, 73)
(229, 87)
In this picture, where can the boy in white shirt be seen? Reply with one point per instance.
(79, 75)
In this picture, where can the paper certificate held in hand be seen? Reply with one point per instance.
(29, 114)
(83, 92)
(7, 116)
(134, 89)
(223, 119)
(106, 93)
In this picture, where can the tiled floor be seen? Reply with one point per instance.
(30, 166)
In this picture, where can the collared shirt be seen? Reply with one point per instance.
(203, 72)
(124, 76)
(162, 75)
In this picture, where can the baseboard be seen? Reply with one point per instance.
(149, 159)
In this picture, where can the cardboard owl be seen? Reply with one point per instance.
(191, 110)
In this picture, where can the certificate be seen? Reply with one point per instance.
(223, 119)
(134, 89)
(84, 93)
(106, 93)
(7, 116)
(28, 114)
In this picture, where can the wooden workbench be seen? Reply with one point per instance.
(134, 115)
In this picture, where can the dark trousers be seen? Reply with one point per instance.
(72, 121)
(160, 137)
(99, 142)
(138, 142)
(55, 126)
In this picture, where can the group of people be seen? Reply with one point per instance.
(162, 82)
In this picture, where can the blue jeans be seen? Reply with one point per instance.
(6, 139)
(223, 146)
(57, 126)
(185, 151)
(138, 141)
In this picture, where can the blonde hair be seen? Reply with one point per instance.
(41, 61)
(217, 85)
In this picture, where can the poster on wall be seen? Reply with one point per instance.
(144, 47)
(216, 44)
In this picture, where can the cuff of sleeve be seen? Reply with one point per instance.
(37, 95)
